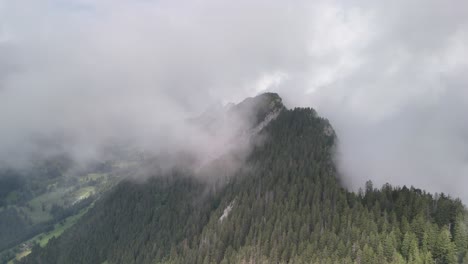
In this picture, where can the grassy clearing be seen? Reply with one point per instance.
(39, 207)
(20, 256)
(83, 193)
(43, 239)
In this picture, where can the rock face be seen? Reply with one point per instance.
(255, 110)
(226, 211)
(242, 117)
(234, 129)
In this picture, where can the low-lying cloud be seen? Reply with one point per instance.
(391, 76)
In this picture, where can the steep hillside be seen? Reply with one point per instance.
(284, 205)
(42, 198)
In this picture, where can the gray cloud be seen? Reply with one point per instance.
(397, 93)
(389, 75)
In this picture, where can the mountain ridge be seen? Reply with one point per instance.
(284, 205)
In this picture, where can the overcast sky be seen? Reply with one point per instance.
(392, 76)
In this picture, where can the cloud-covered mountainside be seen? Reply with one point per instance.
(49, 194)
(284, 205)
(76, 76)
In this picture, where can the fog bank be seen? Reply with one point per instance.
(391, 77)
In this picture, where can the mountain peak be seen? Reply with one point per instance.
(256, 109)
(268, 101)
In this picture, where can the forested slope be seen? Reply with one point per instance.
(286, 205)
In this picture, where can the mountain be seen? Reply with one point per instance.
(285, 204)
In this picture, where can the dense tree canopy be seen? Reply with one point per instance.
(286, 205)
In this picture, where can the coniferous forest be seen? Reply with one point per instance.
(285, 205)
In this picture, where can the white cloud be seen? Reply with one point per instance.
(391, 75)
